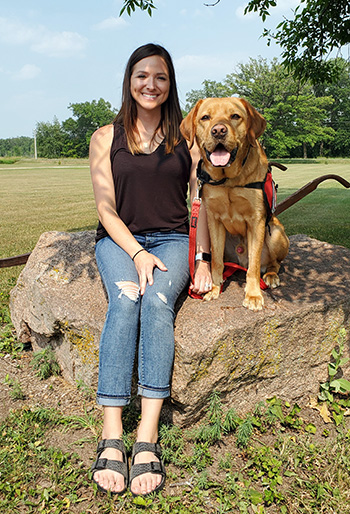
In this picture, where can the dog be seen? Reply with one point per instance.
(226, 131)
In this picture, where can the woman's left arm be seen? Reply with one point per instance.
(202, 275)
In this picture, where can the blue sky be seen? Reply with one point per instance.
(60, 52)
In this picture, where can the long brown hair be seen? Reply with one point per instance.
(171, 115)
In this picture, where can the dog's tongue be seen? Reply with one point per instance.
(220, 156)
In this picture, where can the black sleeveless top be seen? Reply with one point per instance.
(150, 189)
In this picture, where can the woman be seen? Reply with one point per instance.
(140, 168)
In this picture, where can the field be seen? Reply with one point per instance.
(279, 459)
(39, 196)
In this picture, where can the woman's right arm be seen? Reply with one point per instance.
(103, 186)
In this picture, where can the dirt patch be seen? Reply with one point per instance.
(55, 392)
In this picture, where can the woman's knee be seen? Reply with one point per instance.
(124, 296)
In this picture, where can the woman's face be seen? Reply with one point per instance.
(149, 82)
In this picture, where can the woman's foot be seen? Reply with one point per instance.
(146, 463)
(110, 470)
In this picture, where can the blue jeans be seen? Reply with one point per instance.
(147, 321)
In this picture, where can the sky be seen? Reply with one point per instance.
(55, 53)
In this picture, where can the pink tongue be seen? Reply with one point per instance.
(220, 157)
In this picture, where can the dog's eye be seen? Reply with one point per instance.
(235, 116)
(205, 117)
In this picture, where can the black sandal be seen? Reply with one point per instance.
(114, 465)
(148, 467)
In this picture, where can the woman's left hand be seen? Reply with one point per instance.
(202, 278)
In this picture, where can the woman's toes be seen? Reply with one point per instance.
(136, 486)
(109, 482)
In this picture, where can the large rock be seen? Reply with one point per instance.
(59, 301)
(283, 350)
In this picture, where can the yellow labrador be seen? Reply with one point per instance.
(226, 131)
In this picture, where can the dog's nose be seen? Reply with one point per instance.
(219, 130)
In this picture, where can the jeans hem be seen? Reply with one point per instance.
(113, 402)
(153, 393)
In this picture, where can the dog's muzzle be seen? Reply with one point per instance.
(221, 157)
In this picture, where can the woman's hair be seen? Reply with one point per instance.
(171, 115)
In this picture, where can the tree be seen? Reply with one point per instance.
(50, 139)
(306, 40)
(339, 116)
(87, 117)
(17, 147)
(210, 89)
(298, 123)
(72, 137)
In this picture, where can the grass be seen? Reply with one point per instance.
(281, 467)
(325, 213)
(45, 364)
(38, 199)
(57, 195)
(274, 460)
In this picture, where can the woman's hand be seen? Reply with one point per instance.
(202, 278)
(145, 263)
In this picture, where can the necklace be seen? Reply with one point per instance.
(151, 143)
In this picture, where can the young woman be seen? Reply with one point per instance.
(140, 169)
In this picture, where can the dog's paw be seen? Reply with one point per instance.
(271, 279)
(254, 303)
(213, 294)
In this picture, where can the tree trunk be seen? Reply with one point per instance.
(321, 148)
(304, 151)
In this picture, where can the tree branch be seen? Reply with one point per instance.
(212, 5)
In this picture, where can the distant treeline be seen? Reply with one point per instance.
(70, 138)
(17, 146)
(303, 119)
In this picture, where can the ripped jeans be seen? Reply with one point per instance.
(133, 321)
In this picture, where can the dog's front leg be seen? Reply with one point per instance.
(217, 234)
(255, 237)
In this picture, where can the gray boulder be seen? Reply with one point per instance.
(246, 356)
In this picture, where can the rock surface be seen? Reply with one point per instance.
(246, 356)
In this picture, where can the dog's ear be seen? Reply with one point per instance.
(187, 127)
(256, 123)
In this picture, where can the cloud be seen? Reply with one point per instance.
(15, 33)
(27, 72)
(111, 23)
(60, 44)
(42, 40)
(202, 65)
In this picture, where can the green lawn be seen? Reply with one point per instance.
(39, 196)
(325, 213)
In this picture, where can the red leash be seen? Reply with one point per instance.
(196, 205)
(230, 267)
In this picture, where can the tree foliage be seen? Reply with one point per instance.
(87, 117)
(17, 146)
(50, 139)
(307, 39)
(130, 6)
(72, 137)
(339, 113)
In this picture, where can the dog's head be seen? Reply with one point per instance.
(221, 127)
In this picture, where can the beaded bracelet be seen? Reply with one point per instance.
(138, 251)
